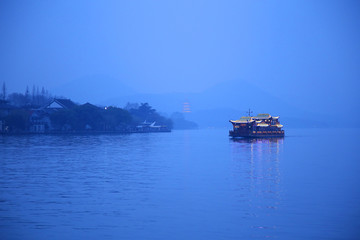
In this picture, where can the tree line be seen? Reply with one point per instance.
(25, 111)
(35, 98)
(88, 117)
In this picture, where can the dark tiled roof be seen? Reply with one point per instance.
(89, 105)
(65, 103)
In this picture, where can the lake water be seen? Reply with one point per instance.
(181, 185)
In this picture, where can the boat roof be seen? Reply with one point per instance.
(243, 120)
(258, 118)
(263, 116)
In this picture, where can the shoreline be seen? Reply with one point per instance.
(80, 132)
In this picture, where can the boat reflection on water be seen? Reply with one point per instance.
(279, 140)
(257, 176)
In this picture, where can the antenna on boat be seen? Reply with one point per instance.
(249, 112)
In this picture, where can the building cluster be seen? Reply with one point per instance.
(15, 119)
(63, 115)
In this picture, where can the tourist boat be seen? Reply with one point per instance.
(261, 126)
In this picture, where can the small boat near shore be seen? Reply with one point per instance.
(151, 127)
(261, 126)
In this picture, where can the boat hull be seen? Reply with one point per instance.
(257, 134)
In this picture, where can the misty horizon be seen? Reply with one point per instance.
(303, 53)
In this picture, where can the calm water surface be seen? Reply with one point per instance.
(181, 185)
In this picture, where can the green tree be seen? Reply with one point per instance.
(3, 93)
(17, 120)
(117, 118)
(146, 113)
(88, 117)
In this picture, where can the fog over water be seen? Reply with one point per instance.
(291, 57)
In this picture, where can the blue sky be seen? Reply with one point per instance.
(300, 51)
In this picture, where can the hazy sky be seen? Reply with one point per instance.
(289, 48)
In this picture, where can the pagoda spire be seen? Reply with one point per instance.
(186, 107)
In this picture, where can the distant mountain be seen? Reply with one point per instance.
(166, 102)
(179, 122)
(242, 95)
(211, 108)
(215, 106)
(231, 100)
(95, 89)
